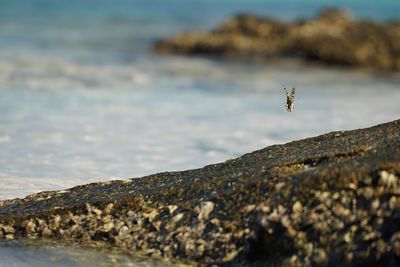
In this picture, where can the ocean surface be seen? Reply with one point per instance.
(83, 99)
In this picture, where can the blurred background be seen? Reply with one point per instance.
(83, 99)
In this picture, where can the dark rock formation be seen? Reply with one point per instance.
(334, 38)
(331, 200)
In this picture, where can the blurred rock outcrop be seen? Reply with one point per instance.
(334, 37)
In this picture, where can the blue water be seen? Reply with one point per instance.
(82, 98)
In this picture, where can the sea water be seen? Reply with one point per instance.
(83, 99)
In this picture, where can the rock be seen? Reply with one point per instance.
(334, 37)
(388, 179)
(205, 209)
(177, 218)
(342, 211)
(297, 207)
(46, 232)
(7, 229)
(9, 236)
(29, 225)
(172, 208)
(108, 208)
(107, 227)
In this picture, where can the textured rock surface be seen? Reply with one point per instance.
(331, 200)
(334, 38)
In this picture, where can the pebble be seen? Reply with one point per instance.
(8, 229)
(205, 209)
(388, 179)
(107, 227)
(297, 207)
(177, 218)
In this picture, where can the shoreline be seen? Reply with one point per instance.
(326, 200)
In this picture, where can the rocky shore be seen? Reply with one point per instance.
(331, 200)
(334, 37)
